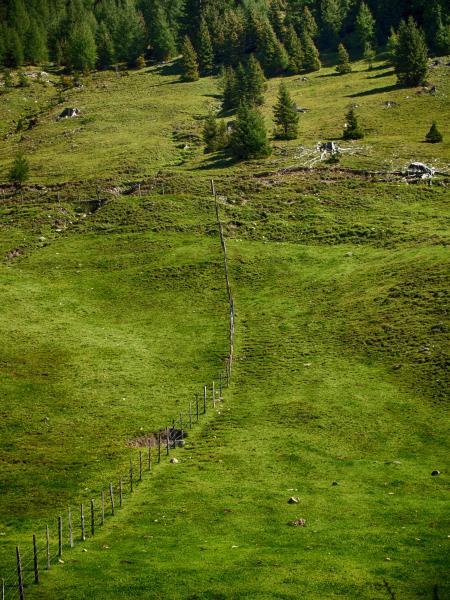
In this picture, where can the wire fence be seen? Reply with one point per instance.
(49, 544)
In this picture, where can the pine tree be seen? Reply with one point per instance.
(19, 171)
(205, 49)
(162, 38)
(215, 134)
(411, 58)
(364, 27)
(434, 136)
(294, 50)
(352, 130)
(276, 18)
(249, 137)
(331, 18)
(105, 47)
(82, 50)
(311, 60)
(369, 55)
(255, 82)
(230, 98)
(210, 130)
(308, 23)
(129, 32)
(271, 53)
(285, 115)
(391, 46)
(36, 51)
(14, 55)
(241, 84)
(437, 27)
(189, 61)
(344, 65)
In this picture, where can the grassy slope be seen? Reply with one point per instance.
(105, 333)
(134, 126)
(135, 278)
(302, 412)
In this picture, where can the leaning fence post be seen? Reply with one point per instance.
(140, 465)
(19, 573)
(204, 399)
(111, 497)
(92, 518)
(83, 533)
(60, 540)
(47, 545)
(70, 529)
(35, 560)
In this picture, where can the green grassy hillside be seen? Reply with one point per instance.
(133, 126)
(114, 314)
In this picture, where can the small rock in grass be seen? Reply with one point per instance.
(294, 500)
(435, 472)
(84, 550)
(335, 483)
(60, 560)
(349, 254)
(174, 461)
(298, 523)
(396, 462)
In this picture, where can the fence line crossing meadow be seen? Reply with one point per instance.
(48, 548)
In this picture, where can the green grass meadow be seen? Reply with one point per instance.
(114, 314)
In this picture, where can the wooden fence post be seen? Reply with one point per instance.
(140, 465)
(83, 533)
(92, 518)
(120, 492)
(159, 447)
(35, 560)
(60, 540)
(111, 497)
(70, 529)
(19, 573)
(47, 545)
(204, 399)
(102, 521)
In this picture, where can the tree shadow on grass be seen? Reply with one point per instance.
(329, 75)
(169, 69)
(381, 90)
(218, 161)
(380, 75)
